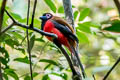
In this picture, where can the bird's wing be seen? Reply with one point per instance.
(63, 22)
(65, 30)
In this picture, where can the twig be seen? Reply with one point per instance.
(117, 3)
(28, 42)
(6, 28)
(27, 27)
(2, 13)
(108, 73)
(33, 14)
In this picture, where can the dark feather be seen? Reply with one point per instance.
(62, 22)
(65, 30)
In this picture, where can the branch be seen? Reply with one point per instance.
(108, 73)
(27, 27)
(33, 14)
(68, 12)
(117, 5)
(28, 42)
(69, 16)
(2, 13)
(75, 74)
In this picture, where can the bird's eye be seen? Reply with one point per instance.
(48, 15)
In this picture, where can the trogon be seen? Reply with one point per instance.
(64, 31)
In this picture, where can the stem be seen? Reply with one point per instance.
(2, 13)
(28, 42)
(108, 73)
(33, 15)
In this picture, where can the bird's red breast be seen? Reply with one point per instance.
(49, 27)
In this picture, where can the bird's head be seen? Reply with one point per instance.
(46, 16)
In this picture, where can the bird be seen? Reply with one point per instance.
(65, 34)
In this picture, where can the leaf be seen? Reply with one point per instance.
(3, 50)
(24, 60)
(5, 76)
(91, 24)
(47, 66)
(39, 39)
(51, 5)
(75, 15)
(114, 27)
(11, 73)
(35, 74)
(45, 77)
(84, 13)
(12, 42)
(16, 16)
(32, 41)
(82, 37)
(48, 61)
(17, 35)
(62, 75)
(27, 78)
(83, 28)
(61, 9)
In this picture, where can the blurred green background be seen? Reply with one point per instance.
(98, 49)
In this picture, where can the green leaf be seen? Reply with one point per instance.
(115, 26)
(61, 9)
(91, 24)
(75, 14)
(83, 28)
(51, 5)
(32, 41)
(3, 61)
(39, 39)
(3, 50)
(16, 16)
(62, 75)
(82, 37)
(84, 13)
(49, 61)
(35, 74)
(24, 60)
(45, 77)
(17, 35)
(27, 78)
(5, 76)
(47, 66)
(11, 73)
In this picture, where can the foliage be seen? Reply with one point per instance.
(98, 48)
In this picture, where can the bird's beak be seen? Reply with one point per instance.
(42, 17)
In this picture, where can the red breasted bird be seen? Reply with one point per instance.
(65, 33)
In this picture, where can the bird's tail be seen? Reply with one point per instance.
(74, 52)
